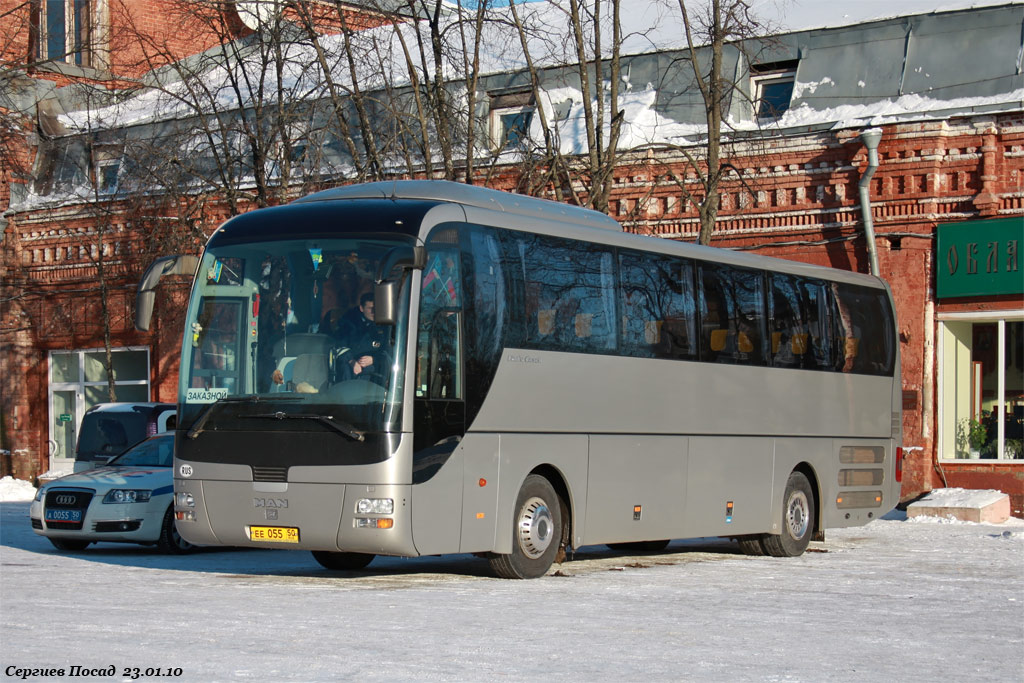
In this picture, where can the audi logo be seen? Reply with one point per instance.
(65, 499)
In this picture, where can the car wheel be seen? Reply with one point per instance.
(170, 540)
(69, 545)
(342, 561)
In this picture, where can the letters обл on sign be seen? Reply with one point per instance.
(980, 258)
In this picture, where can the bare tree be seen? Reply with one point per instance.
(714, 25)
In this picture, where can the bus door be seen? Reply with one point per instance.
(217, 338)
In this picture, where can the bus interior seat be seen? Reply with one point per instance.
(718, 339)
(852, 346)
(584, 325)
(652, 331)
(546, 321)
(799, 344)
(310, 368)
(296, 344)
(744, 344)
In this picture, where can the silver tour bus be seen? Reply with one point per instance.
(421, 367)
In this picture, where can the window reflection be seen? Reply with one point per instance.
(569, 294)
(732, 314)
(658, 312)
(798, 322)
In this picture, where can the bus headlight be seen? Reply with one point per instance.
(127, 496)
(375, 506)
(184, 499)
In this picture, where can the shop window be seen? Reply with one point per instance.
(981, 389)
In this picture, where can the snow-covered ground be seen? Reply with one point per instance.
(922, 601)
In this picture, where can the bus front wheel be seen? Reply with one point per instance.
(536, 532)
(342, 561)
(797, 519)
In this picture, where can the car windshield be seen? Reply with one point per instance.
(285, 328)
(157, 451)
(108, 433)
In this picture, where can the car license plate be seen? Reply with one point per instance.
(63, 515)
(274, 534)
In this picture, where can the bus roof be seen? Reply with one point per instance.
(469, 195)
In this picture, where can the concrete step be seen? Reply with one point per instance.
(966, 505)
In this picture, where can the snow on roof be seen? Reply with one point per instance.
(647, 27)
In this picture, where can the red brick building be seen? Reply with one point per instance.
(946, 201)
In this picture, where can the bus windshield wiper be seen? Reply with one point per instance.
(337, 425)
(200, 423)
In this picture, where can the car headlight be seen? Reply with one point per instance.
(127, 496)
(39, 494)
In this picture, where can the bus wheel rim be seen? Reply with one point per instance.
(798, 514)
(535, 527)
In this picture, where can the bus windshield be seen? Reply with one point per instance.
(284, 330)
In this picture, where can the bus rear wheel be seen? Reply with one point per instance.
(536, 532)
(751, 545)
(797, 519)
(342, 561)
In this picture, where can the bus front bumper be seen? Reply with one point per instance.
(332, 517)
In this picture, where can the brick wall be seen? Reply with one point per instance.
(804, 206)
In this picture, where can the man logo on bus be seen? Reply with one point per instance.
(270, 502)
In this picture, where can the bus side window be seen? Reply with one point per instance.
(487, 311)
(569, 295)
(657, 303)
(732, 314)
(796, 323)
(863, 328)
(439, 345)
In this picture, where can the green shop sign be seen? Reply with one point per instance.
(980, 258)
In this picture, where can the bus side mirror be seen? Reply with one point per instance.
(385, 302)
(145, 295)
(386, 291)
(405, 258)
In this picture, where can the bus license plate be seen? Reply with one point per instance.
(274, 534)
(63, 515)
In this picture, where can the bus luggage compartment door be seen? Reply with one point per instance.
(641, 483)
